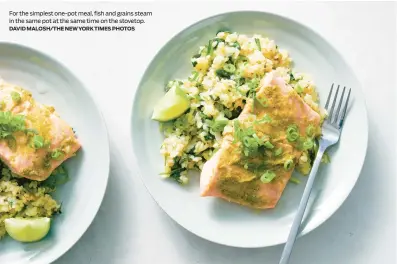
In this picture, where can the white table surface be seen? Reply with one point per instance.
(131, 228)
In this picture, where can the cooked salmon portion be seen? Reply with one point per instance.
(34, 140)
(258, 179)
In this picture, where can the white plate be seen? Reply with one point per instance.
(215, 219)
(53, 84)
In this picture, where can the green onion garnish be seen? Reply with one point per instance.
(236, 45)
(38, 141)
(278, 152)
(230, 68)
(298, 89)
(194, 76)
(258, 43)
(222, 73)
(193, 59)
(16, 97)
(224, 30)
(288, 164)
(210, 48)
(9, 124)
(217, 41)
(268, 176)
(294, 180)
(308, 144)
(253, 102)
(57, 154)
(218, 124)
(310, 130)
(237, 131)
(292, 133)
(241, 58)
(265, 119)
(293, 136)
(291, 77)
(268, 145)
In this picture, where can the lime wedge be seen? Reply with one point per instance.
(172, 105)
(27, 230)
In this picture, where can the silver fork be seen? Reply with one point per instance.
(331, 130)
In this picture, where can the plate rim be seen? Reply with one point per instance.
(59, 253)
(326, 215)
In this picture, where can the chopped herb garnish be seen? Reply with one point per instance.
(236, 45)
(194, 59)
(16, 97)
(258, 43)
(210, 48)
(241, 58)
(268, 145)
(194, 76)
(218, 124)
(291, 77)
(176, 175)
(288, 164)
(265, 119)
(9, 124)
(11, 202)
(224, 31)
(58, 177)
(278, 152)
(230, 68)
(47, 160)
(253, 84)
(292, 133)
(235, 112)
(310, 130)
(294, 180)
(239, 81)
(268, 176)
(207, 137)
(298, 89)
(251, 143)
(217, 41)
(57, 154)
(37, 141)
(222, 73)
(308, 144)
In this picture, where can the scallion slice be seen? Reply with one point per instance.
(278, 152)
(268, 145)
(258, 43)
(230, 68)
(288, 164)
(268, 176)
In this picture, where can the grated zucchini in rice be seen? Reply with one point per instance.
(226, 71)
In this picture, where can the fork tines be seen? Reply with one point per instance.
(336, 118)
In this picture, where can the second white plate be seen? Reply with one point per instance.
(53, 84)
(215, 219)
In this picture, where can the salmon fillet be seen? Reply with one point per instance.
(225, 175)
(34, 140)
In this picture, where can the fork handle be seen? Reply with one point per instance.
(301, 210)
